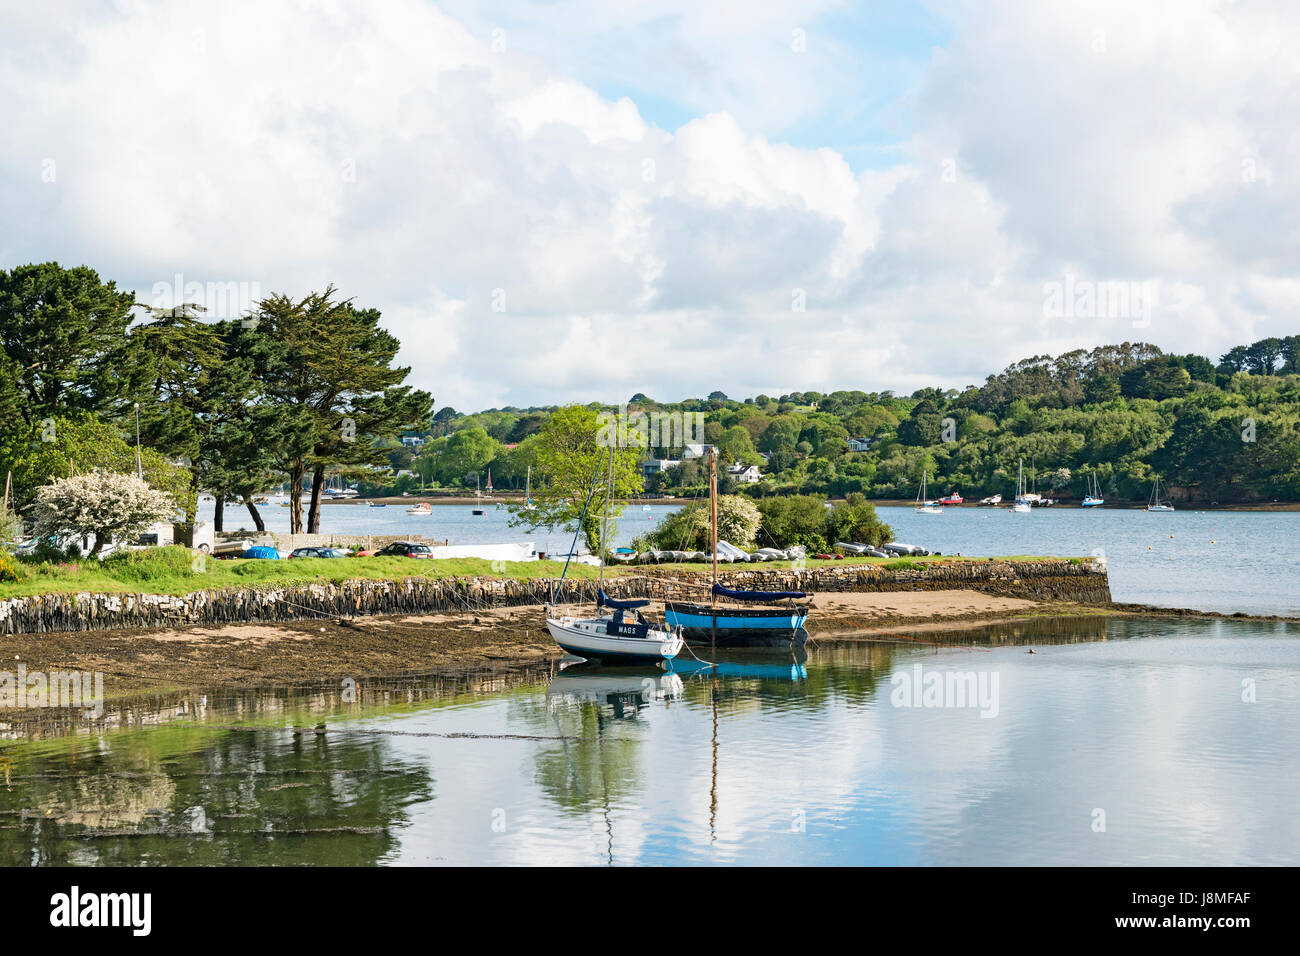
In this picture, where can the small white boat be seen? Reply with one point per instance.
(1024, 503)
(924, 507)
(1155, 504)
(612, 638)
(423, 508)
(528, 491)
(991, 500)
(619, 633)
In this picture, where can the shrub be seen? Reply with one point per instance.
(10, 569)
(102, 504)
(688, 529)
(855, 519)
(150, 564)
(797, 519)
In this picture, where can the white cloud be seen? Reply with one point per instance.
(394, 151)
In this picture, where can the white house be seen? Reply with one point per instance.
(746, 473)
(656, 465)
(695, 451)
(861, 444)
(412, 441)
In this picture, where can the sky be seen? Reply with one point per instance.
(577, 200)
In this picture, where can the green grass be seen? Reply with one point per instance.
(174, 571)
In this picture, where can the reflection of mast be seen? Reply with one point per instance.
(604, 785)
(713, 787)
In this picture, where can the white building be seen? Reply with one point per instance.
(861, 444)
(746, 473)
(655, 465)
(695, 451)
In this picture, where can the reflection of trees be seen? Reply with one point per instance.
(603, 764)
(258, 796)
(853, 670)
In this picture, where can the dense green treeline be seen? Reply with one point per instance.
(1121, 413)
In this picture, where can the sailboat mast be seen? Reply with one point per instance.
(713, 516)
(604, 525)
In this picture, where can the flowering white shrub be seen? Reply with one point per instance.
(104, 504)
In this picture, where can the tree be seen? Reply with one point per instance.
(328, 364)
(64, 333)
(734, 445)
(797, 519)
(464, 454)
(443, 419)
(177, 360)
(1235, 359)
(855, 520)
(101, 504)
(568, 459)
(62, 446)
(1263, 356)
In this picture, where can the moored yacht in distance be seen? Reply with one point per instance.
(1156, 503)
(1093, 498)
(1024, 502)
(923, 505)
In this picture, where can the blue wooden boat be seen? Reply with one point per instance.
(735, 625)
(750, 618)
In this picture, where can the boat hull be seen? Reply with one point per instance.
(581, 640)
(738, 627)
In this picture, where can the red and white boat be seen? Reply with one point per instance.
(952, 499)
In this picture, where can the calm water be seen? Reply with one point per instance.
(776, 760)
(1214, 561)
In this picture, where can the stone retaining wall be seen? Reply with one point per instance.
(1084, 582)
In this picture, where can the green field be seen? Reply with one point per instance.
(174, 571)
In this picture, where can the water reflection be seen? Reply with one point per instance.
(792, 757)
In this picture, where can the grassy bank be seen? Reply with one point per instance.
(174, 571)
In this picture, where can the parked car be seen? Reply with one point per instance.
(319, 553)
(401, 549)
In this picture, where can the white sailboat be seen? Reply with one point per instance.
(1155, 504)
(528, 490)
(1023, 505)
(924, 507)
(613, 636)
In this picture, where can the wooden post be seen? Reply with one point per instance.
(713, 534)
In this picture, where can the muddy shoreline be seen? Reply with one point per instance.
(246, 655)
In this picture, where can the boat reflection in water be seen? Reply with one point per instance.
(624, 692)
(582, 682)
